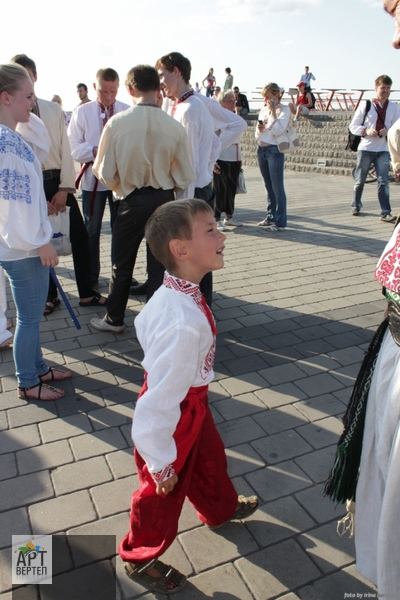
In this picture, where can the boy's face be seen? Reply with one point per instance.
(206, 248)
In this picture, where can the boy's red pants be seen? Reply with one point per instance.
(202, 470)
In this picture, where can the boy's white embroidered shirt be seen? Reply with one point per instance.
(179, 349)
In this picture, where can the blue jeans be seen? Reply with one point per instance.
(29, 281)
(93, 224)
(272, 163)
(381, 160)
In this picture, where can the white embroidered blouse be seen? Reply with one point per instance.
(24, 225)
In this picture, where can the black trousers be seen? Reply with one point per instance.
(79, 243)
(224, 185)
(127, 234)
(207, 194)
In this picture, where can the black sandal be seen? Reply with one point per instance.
(40, 386)
(95, 301)
(156, 584)
(51, 372)
(50, 306)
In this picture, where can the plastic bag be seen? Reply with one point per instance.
(60, 226)
(241, 184)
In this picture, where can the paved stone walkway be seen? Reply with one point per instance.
(296, 310)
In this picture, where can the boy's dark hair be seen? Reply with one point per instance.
(171, 221)
(107, 74)
(176, 59)
(227, 70)
(144, 78)
(82, 85)
(26, 62)
(383, 79)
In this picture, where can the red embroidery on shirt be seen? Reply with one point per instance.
(193, 290)
(164, 474)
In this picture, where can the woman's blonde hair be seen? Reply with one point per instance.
(273, 88)
(11, 77)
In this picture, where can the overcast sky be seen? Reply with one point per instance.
(346, 43)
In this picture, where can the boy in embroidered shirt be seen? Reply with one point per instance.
(178, 451)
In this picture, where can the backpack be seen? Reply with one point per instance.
(353, 140)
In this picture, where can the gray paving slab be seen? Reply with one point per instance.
(295, 313)
(62, 513)
(8, 466)
(80, 475)
(114, 497)
(12, 521)
(207, 548)
(267, 572)
(223, 582)
(48, 456)
(25, 490)
(100, 442)
(65, 428)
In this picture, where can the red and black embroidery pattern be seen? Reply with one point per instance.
(193, 290)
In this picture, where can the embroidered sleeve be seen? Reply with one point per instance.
(166, 473)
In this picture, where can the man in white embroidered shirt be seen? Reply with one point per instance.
(174, 70)
(84, 131)
(142, 157)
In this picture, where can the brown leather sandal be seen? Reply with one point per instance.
(168, 575)
(245, 509)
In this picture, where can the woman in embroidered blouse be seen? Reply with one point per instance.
(25, 233)
(273, 120)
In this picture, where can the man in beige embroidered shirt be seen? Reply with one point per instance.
(143, 158)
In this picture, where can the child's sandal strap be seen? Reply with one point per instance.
(159, 584)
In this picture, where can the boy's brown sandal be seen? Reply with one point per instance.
(168, 576)
(247, 506)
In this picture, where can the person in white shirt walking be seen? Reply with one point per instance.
(373, 126)
(307, 76)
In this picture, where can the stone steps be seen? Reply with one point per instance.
(323, 139)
